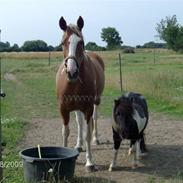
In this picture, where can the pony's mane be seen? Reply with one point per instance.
(75, 29)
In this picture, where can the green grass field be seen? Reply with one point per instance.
(29, 83)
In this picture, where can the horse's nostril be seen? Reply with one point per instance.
(73, 76)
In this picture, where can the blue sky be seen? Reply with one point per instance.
(135, 20)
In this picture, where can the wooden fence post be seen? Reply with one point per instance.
(1, 168)
(121, 82)
(49, 57)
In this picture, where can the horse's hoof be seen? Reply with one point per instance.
(143, 154)
(111, 169)
(130, 151)
(96, 142)
(80, 149)
(134, 166)
(91, 168)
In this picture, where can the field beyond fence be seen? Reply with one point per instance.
(28, 79)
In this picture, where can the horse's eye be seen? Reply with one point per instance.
(81, 43)
(118, 113)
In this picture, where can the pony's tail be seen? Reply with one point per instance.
(143, 146)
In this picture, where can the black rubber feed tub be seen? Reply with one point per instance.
(56, 163)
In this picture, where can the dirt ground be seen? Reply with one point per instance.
(164, 137)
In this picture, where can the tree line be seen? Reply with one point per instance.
(35, 45)
(168, 30)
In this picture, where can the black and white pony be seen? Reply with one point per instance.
(130, 120)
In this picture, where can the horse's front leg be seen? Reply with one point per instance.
(95, 130)
(89, 163)
(79, 120)
(65, 127)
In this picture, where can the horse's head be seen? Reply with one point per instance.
(73, 47)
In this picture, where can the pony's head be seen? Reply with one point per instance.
(122, 113)
(73, 47)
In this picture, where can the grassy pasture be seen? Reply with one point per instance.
(29, 83)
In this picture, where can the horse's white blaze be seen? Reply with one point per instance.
(79, 120)
(71, 64)
(140, 121)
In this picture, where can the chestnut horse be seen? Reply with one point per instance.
(79, 83)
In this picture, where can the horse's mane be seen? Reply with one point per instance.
(75, 29)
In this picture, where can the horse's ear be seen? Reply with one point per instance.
(80, 23)
(116, 101)
(63, 24)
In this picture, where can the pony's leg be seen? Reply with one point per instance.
(137, 152)
(95, 130)
(79, 120)
(131, 148)
(133, 153)
(117, 141)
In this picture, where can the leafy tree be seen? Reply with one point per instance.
(111, 36)
(15, 48)
(50, 48)
(152, 44)
(93, 47)
(179, 40)
(37, 45)
(171, 32)
(4, 47)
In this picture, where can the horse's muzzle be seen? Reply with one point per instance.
(73, 77)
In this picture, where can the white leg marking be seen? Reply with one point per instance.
(95, 130)
(130, 151)
(88, 144)
(65, 134)
(79, 120)
(113, 163)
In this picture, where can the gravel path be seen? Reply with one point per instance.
(164, 138)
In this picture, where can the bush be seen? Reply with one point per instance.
(37, 45)
(94, 47)
(5, 47)
(129, 50)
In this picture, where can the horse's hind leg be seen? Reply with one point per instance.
(79, 120)
(95, 130)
